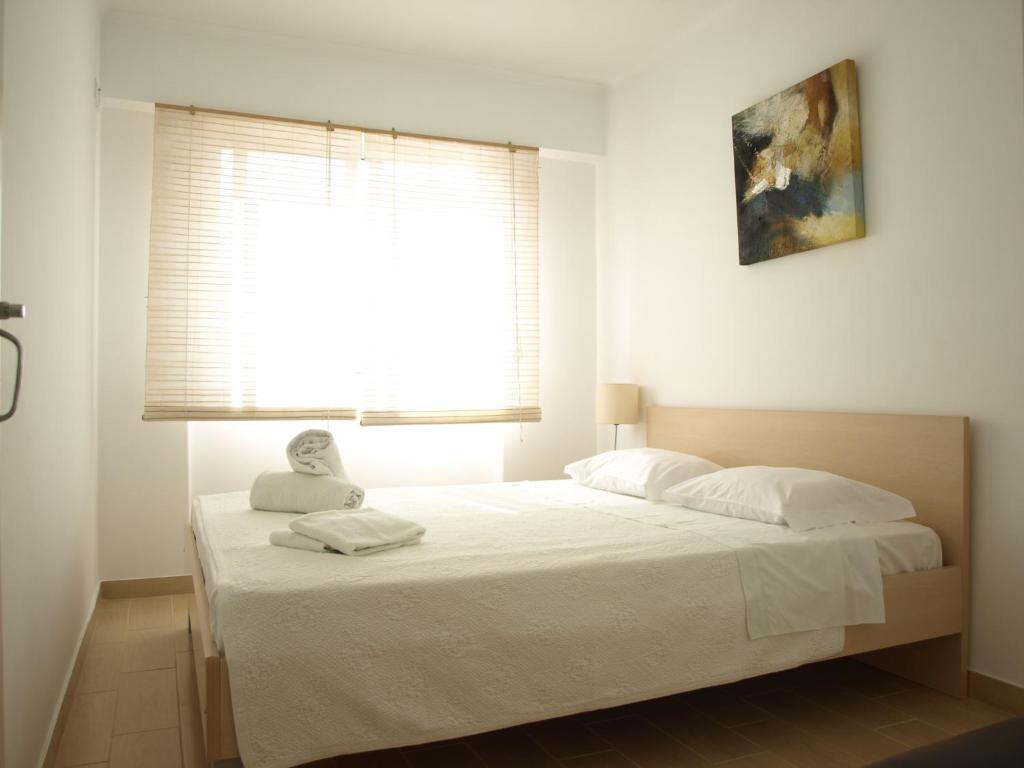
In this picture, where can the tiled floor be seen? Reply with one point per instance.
(135, 706)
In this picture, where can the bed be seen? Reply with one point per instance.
(534, 600)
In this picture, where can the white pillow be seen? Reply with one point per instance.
(800, 498)
(643, 472)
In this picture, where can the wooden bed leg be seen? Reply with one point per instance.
(940, 663)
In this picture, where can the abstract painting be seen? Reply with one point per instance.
(798, 169)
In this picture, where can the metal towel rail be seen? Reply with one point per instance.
(8, 312)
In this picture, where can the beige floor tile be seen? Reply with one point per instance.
(146, 701)
(108, 627)
(914, 733)
(113, 605)
(871, 713)
(995, 714)
(86, 737)
(152, 749)
(101, 669)
(645, 744)
(799, 747)
(944, 712)
(697, 731)
(844, 735)
(726, 706)
(149, 649)
(151, 612)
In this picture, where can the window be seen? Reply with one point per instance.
(308, 271)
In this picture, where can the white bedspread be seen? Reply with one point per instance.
(523, 601)
(791, 581)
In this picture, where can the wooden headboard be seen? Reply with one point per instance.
(924, 458)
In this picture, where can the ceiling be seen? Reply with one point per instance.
(591, 40)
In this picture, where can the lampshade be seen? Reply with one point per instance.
(618, 404)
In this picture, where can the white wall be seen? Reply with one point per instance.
(157, 60)
(568, 230)
(923, 316)
(48, 450)
(143, 468)
(144, 502)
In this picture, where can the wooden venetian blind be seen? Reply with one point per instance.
(458, 334)
(304, 271)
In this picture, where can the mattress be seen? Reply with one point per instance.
(524, 601)
(902, 546)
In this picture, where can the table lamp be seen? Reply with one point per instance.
(618, 404)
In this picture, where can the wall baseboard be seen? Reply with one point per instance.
(996, 692)
(155, 587)
(49, 758)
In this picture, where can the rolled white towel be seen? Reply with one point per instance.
(296, 492)
(293, 540)
(314, 452)
(358, 533)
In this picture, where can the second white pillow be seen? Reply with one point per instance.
(800, 498)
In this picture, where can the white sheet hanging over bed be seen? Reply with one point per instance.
(524, 601)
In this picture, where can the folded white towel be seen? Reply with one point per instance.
(358, 533)
(287, 538)
(314, 452)
(298, 492)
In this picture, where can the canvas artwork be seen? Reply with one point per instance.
(798, 170)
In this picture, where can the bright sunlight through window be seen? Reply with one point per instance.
(304, 271)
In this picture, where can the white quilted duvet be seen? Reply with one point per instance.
(524, 601)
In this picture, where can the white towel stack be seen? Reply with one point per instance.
(363, 532)
(296, 492)
(291, 539)
(314, 452)
(318, 482)
(332, 520)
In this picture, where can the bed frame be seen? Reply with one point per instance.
(924, 458)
